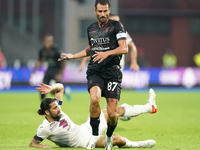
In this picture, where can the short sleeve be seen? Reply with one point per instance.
(41, 133)
(89, 42)
(120, 31)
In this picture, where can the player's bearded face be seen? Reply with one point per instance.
(55, 116)
(102, 12)
(54, 111)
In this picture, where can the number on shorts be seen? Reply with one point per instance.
(111, 86)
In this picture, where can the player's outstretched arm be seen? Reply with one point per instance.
(83, 53)
(56, 89)
(36, 143)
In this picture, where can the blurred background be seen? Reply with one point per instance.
(166, 34)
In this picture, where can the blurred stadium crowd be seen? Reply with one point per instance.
(166, 33)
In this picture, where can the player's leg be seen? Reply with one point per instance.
(95, 96)
(95, 110)
(112, 105)
(126, 111)
(112, 90)
(94, 84)
(124, 142)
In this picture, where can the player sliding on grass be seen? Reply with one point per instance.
(58, 127)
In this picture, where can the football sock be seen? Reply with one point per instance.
(130, 143)
(135, 110)
(94, 122)
(110, 129)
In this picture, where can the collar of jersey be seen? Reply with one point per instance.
(104, 25)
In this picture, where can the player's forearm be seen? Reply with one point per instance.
(83, 53)
(133, 52)
(123, 49)
(36, 143)
(56, 88)
(39, 145)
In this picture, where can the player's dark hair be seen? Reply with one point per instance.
(48, 34)
(102, 2)
(45, 105)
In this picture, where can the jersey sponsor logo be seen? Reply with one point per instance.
(99, 41)
(100, 48)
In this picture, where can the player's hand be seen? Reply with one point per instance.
(135, 67)
(45, 146)
(66, 57)
(43, 88)
(100, 56)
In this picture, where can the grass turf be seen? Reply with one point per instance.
(176, 125)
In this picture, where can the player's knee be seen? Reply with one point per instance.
(112, 114)
(95, 99)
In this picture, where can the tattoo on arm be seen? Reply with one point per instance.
(36, 143)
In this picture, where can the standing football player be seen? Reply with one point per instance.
(50, 54)
(107, 43)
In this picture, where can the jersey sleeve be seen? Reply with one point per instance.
(41, 133)
(120, 31)
(89, 42)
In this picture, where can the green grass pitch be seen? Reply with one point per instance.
(176, 125)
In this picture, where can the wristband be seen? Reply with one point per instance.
(58, 101)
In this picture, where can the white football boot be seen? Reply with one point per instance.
(109, 143)
(152, 101)
(91, 144)
(147, 143)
